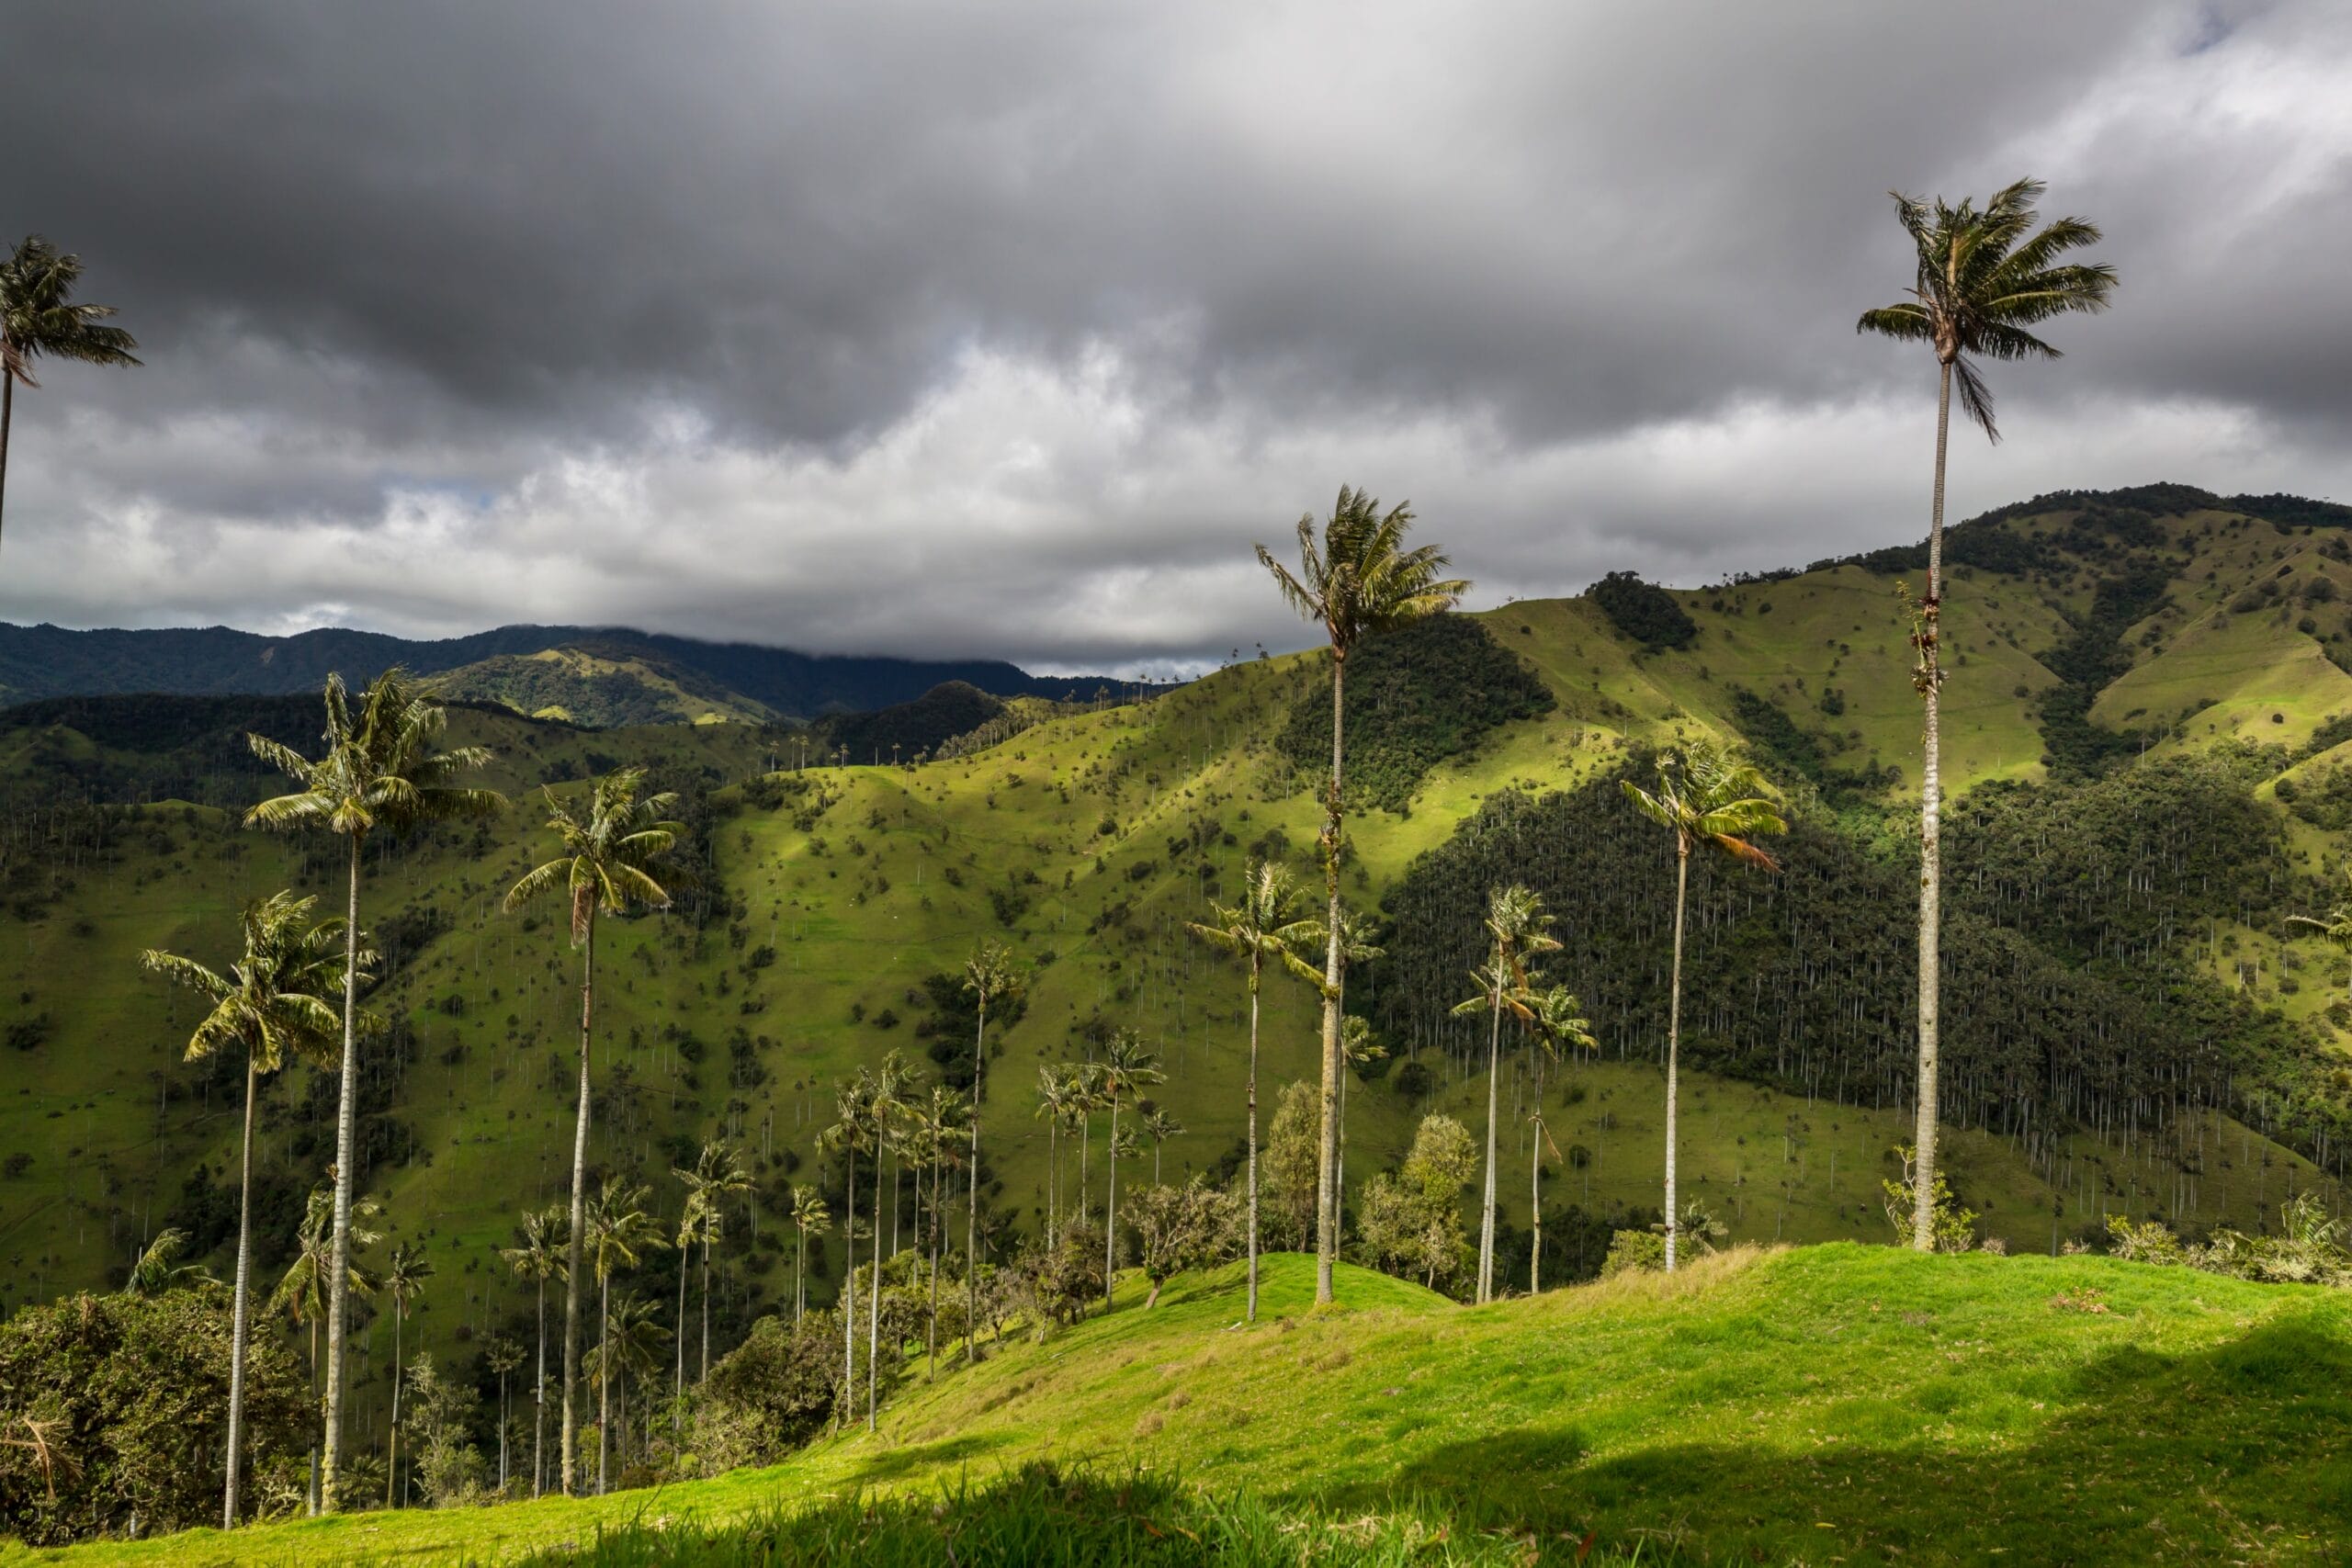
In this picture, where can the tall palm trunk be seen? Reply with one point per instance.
(705, 1308)
(1931, 872)
(972, 1220)
(678, 1389)
(939, 1156)
(1674, 1038)
(1326, 1164)
(237, 1323)
(346, 1119)
(1535, 1208)
(392, 1446)
(1487, 1212)
(873, 1305)
(539, 1400)
(800, 1276)
(603, 1377)
(505, 1416)
(1111, 1206)
(570, 1443)
(849, 1292)
(1053, 1174)
(314, 1405)
(1257, 964)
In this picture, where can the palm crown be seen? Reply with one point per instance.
(717, 1175)
(279, 1000)
(302, 1292)
(1362, 581)
(39, 317)
(609, 856)
(382, 767)
(619, 1227)
(1127, 1066)
(538, 1254)
(1705, 796)
(1259, 927)
(1986, 277)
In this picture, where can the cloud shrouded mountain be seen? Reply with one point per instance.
(947, 330)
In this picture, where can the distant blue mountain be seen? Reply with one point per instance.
(52, 661)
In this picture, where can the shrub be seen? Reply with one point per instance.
(1633, 1252)
(769, 1393)
(1954, 1228)
(122, 1404)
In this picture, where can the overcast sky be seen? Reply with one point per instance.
(1007, 329)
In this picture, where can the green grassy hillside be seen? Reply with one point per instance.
(1823, 1406)
(604, 688)
(1087, 841)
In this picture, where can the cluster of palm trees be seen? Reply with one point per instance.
(886, 1114)
(1069, 1094)
(382, 770)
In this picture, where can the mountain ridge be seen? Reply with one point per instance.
(46, 661)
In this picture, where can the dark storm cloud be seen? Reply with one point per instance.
(1006, 328)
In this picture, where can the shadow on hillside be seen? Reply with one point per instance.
(898, 1464)
(2244, 1451)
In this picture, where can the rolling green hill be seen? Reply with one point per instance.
(1822, 1405)
(2128, 975)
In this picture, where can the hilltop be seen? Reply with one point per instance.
(2147, 726)
(1821, 1405)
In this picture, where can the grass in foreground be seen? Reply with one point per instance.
(1828, 1405)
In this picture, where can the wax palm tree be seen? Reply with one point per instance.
(892, 1086)
(381, 770)
(1560, 1027)
(158, 1268)
(276, 1002)
(808, 1212)
(717, 1175)
(619, 1231)
(933, 1146)
(1259, 927)
(991, 977)
(851, 1130)
(404, 1275)
(39, 319)
(1707, 800)
(609, 861)
(1983, 279)
(698, 1224)
(1128, 1067)
(1358, 582)
(1517, 929)
(502, 1355)
(1055, 1086)
(542, 1243)
(626, 1349)
(1359, 1048)
(1085, 1100)
(303, 1291)
(1159, 1126)
(1356, 1045)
